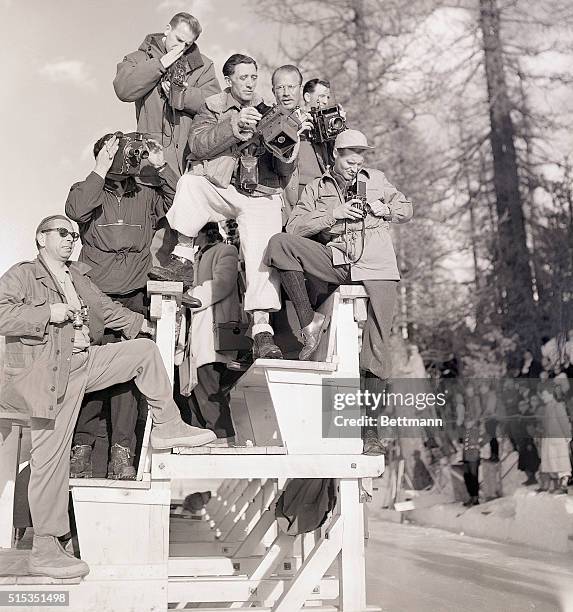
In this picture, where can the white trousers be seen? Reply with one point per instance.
(197, 202)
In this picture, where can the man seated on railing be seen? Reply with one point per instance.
(53, 318)
(340, 232)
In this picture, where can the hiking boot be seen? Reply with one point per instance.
(311, 335)
(48, 558)
(264, 347)
(81, 461)
(120, 466)
(178, 269)
(373, 445)
(178, 433)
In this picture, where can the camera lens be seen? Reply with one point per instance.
(145, 155)
(336, 123)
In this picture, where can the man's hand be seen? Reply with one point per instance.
(248, 118)
(166, 86)
(380, 209)
(147, 328)
(172, 56)
(104, 158)
(306, 123)
(348, 211)
(60, 313)
(156, 157)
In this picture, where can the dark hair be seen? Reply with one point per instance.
(98, 146)
(236, 59)
(211, 230)
(287, 68)
(187, 18)
(311, 85)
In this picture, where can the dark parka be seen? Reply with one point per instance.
(138, 80)
(38, 354)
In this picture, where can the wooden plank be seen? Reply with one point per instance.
(10, 436)
(352, 561)
(235, 450)
(241, 506)
(278, 551)
(144, 465)
(303, 585)
(254, 510)
(273, 466)
(257, 533)
(105, 483)
(229, 504)
(235, 589)
(325, 350)
(223, 566)
(352, 291)
(165, 288)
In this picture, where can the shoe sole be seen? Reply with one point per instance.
(170, 278)
(323, 330)
(56, 574)
(189, 442)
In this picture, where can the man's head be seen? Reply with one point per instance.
(287, 83)
(182, 29)
(208, 234)
(316, 93)
(349, 148)
(241, 73)
(50, 241)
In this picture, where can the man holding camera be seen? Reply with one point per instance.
(117, 218)
(168, 79)
(53, 317)
(340, 232)
(234, 175)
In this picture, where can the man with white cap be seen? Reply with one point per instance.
(340, 238)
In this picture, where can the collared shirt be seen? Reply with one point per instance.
(66, 285)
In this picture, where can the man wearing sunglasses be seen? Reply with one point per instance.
(53, 317)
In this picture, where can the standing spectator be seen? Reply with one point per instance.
(149, 78)
(556, 433)
(529, 367)
(116, 219)
(525, 426)
(216, 273)
(471, 458)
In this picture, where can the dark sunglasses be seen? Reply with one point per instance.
(63, 232)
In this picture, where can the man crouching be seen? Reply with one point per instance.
(53, 318)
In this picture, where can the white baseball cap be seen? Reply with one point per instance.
(351, 139)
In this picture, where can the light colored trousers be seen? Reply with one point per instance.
(97, 368)
(197, 202)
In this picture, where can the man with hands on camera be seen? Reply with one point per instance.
(145, 77)
(117, 220)
(212, 191)
(333, 236)
(53, 317)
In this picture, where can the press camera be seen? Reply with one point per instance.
(133, 149)
(328, 123)
(278, 129)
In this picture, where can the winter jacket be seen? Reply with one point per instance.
(117, 231)
(312, 216)
(214, 148)
(38, 354)
(138, 80)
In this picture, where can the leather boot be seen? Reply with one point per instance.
(264, 347)
(177, 433)
(311, 335)
(48, 558)
(178, 269)
(120, 465)
(81, 461)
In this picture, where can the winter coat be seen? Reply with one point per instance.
(38, 354)
(312, 216)
(138, 80)
(214, 145)
(117, 231)
(216, 271)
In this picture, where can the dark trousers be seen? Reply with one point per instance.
(293, 253)
(471, 470)
(209, 401)
(120, 401)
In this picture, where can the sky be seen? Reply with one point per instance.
(58, 62)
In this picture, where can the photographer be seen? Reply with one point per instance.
(53, 318)
(346, 247)
(116, 220)
(145, 77)
(226, 148)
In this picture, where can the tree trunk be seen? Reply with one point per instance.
(519, 315)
